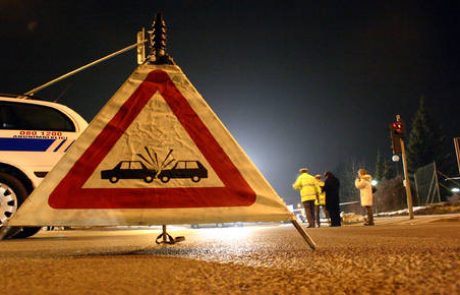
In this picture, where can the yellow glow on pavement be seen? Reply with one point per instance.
(226, 233)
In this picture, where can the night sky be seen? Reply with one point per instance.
(297, 83)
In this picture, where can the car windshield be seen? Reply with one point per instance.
(180, 165)
(124, 165)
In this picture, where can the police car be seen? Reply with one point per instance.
(34, 135)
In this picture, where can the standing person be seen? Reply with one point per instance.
(331, 188)
(309, 192)
(320, 202)
(363, 183)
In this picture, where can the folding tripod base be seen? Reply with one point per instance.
(165, 238)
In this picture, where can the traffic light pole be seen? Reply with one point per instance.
(457, 151)
(406, 180)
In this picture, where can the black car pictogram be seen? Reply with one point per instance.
(129, 170)
(184, 169)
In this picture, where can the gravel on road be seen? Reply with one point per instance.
(388, 258)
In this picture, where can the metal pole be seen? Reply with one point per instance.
(69, 74)
(457, 151)
(165, 234)
(406, 180)
(436, 182)
(141, 46)
(430, 191)
(417, 189)
(304, 234)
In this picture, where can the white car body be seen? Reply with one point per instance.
(35, 151)
(34, 135)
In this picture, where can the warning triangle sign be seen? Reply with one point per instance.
(155, 154)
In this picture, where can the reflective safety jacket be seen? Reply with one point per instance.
(308, 187)
(322, 195)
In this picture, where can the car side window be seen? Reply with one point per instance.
(136, 165)
(192, 165)
(26, 116)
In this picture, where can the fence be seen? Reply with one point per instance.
(427, 185)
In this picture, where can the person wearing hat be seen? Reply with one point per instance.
(309, 190)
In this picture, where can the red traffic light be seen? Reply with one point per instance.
(397, 134)
(397, 127)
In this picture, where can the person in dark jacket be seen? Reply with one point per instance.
(331, 188)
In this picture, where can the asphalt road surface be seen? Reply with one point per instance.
(397, 256)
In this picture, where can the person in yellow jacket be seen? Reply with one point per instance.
(320, 202)
(309, 192)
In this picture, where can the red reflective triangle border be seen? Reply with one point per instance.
(70, 194)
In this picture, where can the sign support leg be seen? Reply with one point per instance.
(4, 231)
(8, 231)
(304, 234)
